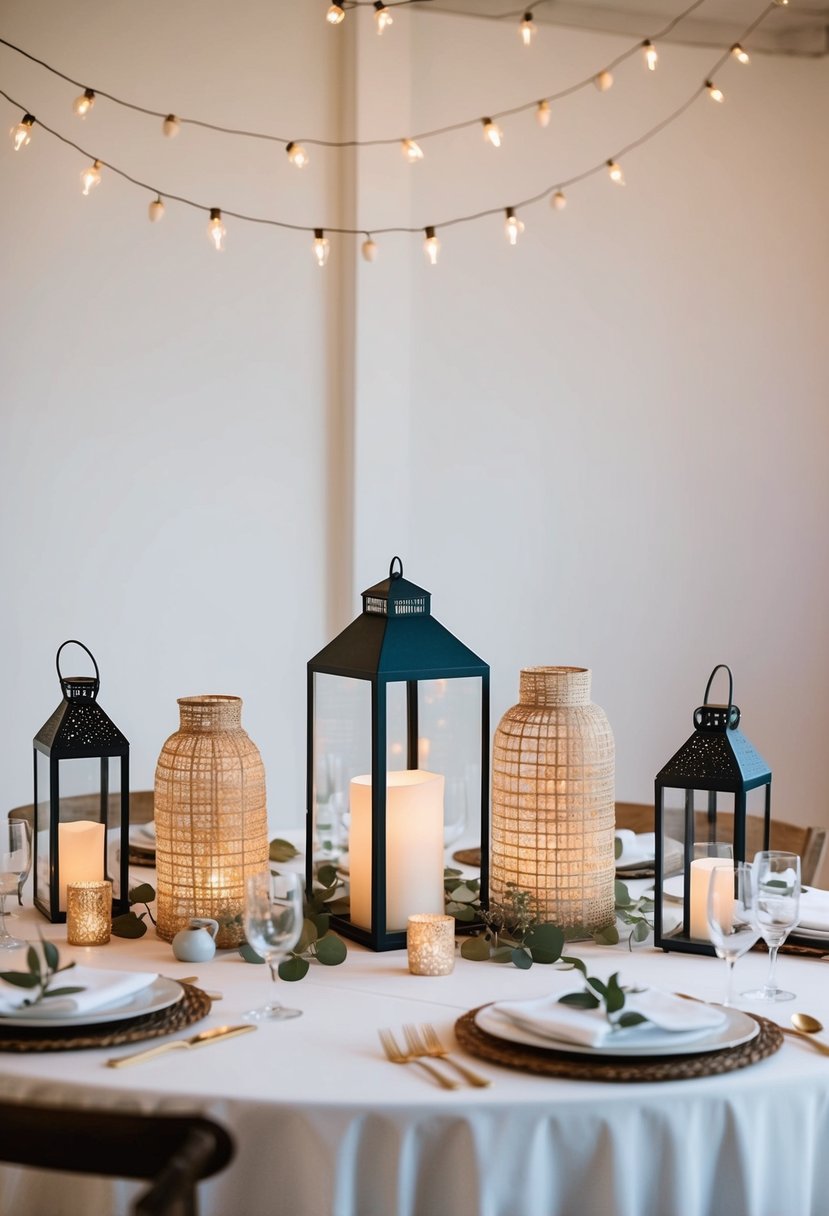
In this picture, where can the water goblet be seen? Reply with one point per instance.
(273, 924)
(15, 859)
(731, 921)
(777, 909)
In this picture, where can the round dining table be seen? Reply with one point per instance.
(325, 1125)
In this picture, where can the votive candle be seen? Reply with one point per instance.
(430, 941)
(88, 913)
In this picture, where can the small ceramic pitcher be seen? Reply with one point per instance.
(191, 945)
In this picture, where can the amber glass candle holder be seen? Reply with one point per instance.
(430, 941)
(88, 913)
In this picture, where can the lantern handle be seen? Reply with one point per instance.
(75, 642)
(396, 573)
(733, 712)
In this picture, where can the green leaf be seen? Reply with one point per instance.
(330, 950)
(580, 1000)
(281, 850)
(61, 992)
(641, 931)
(307, 937)
(615, 998)
(522, 959)
(545, 943)
(293, 969)
(128, 925)
(20, 979)
(327, 876)
(502, 954)
(475, 948)
(449, 873)
(631, 1019)
(607, 937)
(574, 962)
(463, 895)
(50, 953)
(249, 954)
(322, 923)
(597, 985)
(33, 960)
(462, 912)
(142, 894)
(622, 895)
(617, 848)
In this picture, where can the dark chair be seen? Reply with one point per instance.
(174, 1151)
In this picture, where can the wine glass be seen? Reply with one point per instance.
(731, 920)
(15, 859)
(777, 887)
(273, 924)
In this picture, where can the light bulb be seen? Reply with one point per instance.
(603, 81)
(216, 230)
(713, 92)
(171, 126)
(431, 247)
(411, 150)
(492, 132)
(739, 54)
(321, 247)
(651, 57)
(91, 177)
(335, 15)
(22, 133)
(513, 226)
(526, 29)
(156, 210)
(369, 249)
(543, 113)
(382, 16)
(781, 3)
(615, 173)
(297, 155)
(83, 104)
(559, 201)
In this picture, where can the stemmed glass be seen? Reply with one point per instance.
(731, 920)
(273, 924)
(777, 888)
(15, 859)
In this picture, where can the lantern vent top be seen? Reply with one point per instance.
(395, 596)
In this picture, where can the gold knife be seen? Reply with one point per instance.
(198, 1040)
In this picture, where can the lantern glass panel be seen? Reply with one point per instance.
(342, 750)
(449, 721)
(693, 821)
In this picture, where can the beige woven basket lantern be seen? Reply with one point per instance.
(210, 818)
(553, 810)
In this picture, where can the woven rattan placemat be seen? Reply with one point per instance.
(192, 1007)
(549, 1063)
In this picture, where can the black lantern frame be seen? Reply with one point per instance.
(79, 730)
(716, 759)
(394, 640)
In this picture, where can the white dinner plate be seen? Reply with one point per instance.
(738, 1028)
(142, 836)
(161, 993)
(817, 935)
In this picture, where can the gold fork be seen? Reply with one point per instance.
(426, 1042)
(397, 1056)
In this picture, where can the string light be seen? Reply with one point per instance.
(91, 177)
(382, 16)
(156, 210)
(492, 132)
(603, 81)
(651, 57)
(615, 173)
(321, 247)
(297, 154)
(22, 133)
(543, 113)
(739, 54)
(713, 92)
(370, 249)
(171, 126)
(216, 230)
(559, 201)
(513, 226)
(83, 104)
(411, 150)
(781, 3)
(431, 247)
(335, 15)
(526, 29)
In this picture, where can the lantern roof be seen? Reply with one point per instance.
(397, 638)
(79, 727)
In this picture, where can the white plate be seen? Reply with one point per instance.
(739, 1028)
(162, 993)
(817, 935)
(142, 836)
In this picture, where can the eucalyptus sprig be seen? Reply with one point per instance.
(42, 967)
(318, 942)
(132, 924)
(637, 913)
(513, 931)
(596, 993)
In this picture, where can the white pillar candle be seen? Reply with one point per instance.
(414, 847)
(704, 871)
(80, 854)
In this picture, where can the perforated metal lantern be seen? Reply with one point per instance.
(398, 734)
(703, 796)
(81, 797)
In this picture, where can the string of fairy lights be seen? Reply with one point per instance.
(92, 175)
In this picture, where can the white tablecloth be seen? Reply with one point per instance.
(325, 1126)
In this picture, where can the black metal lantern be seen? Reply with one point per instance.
(702, 797)
(398, 735)
(81, 803)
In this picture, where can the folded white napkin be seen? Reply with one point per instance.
(814, 909)
(545, 1016)
(637, 850)
(100, 988)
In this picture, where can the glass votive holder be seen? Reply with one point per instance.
(88, 913)
(430, 941)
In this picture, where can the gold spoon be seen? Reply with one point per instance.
(804, 1026)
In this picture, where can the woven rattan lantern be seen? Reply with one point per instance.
(553, 808)
(210, 818)
(82, 797)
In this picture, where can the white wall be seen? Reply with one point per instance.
(606, 446)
